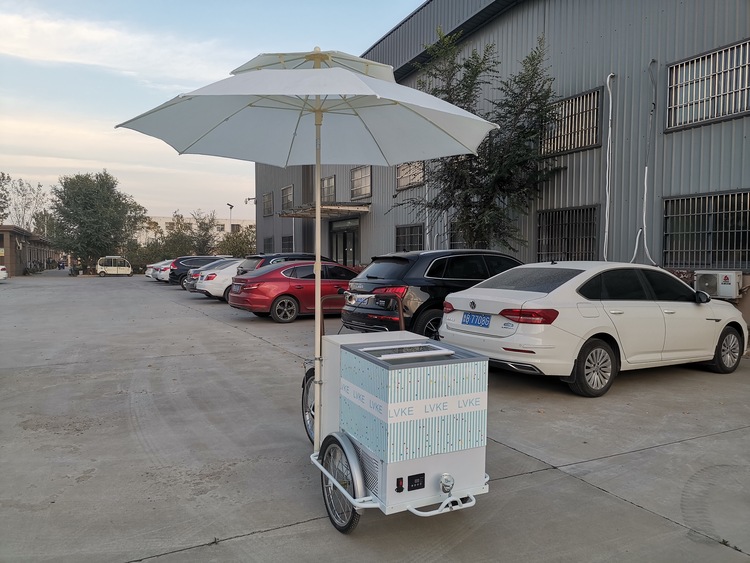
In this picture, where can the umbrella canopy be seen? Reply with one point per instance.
(318, 59)
(276, 116)
(269, 116)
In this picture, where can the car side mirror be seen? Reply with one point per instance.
(702, 297)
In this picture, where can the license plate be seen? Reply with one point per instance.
(360, 300)
(476, 319)
(236, 287)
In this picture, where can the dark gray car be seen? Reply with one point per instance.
(422, 279)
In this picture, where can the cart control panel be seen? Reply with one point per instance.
(416, 482)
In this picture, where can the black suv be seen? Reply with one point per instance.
(422, 279)
(255, 261)
(179, 268)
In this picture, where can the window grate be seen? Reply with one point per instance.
(287, 198)
(361, 186)
(709, 231)
(268, 245)
(267, 204)
(328, 189)
(409, 237)
(576, 126)
(409, 175)
(567, 234)
(712, 86)
(287, 244)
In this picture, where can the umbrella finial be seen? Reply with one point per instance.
(317, 57)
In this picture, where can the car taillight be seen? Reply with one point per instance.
(173, 266)
(399, 290)
(447, 308)
(531, 316)
(209, 277)
(249, 286)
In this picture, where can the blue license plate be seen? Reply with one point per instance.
(476, 319)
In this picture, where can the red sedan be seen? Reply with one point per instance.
(286, 290)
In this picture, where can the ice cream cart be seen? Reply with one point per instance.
(403, 420)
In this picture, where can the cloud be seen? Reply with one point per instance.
(45, 147)
(159, 61)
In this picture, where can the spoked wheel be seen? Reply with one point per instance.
(342, 514)
(595, 369)
(284, 309)
(308, 403)
(728, 351)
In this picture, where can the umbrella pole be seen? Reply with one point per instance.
(318, 382)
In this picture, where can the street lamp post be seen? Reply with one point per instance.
(230, 215)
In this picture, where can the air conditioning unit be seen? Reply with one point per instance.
(721, 284)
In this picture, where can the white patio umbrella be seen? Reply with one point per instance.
(318, 59)
(275, 116)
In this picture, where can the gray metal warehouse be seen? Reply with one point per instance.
(654, 99)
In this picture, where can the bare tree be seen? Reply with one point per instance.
(23, 201)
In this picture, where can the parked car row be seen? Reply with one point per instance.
(582, 322)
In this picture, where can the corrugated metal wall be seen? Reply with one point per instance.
(587, 40)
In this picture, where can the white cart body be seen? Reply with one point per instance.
(415, 411)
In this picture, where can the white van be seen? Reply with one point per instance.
(113, 265)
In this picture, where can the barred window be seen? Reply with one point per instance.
(268, 245)
(287, 198)
(709, 231)
(712, 86)
(328, 189)
(361, 186)
(267, 204)
(409, 175)
(236, 227)
(567, 234)
(220, 227)
(576, 126)
(409, 237)
(287, 244)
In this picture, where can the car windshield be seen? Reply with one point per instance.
(385, 268)
(250, 263)
(540, 280)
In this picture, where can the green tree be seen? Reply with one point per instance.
(204, 232)
(179, 237)
(92, 218)
(485, 194)
(240, 243)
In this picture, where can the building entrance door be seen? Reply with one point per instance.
(344, 239)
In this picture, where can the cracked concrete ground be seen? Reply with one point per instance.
(142, 423)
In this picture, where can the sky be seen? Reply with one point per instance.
(70, 70)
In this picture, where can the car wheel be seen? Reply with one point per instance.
(183, 282)
(284, 309)
(728, 351)
(428, 323)
(225, 297)
(595, 369)
(102, 274)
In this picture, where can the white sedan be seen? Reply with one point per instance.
(216, 280)
(3, 273)
(586, 321)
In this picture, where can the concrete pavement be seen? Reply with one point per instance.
(142, 423)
